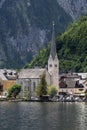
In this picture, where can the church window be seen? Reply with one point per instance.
(28, 88)
(50, 65)
(55, 65)
(25, 88)
(34, 86)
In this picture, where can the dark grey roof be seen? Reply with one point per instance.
(31, 73)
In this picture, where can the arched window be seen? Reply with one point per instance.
(50, 65)
(55, 65)
(34, 86)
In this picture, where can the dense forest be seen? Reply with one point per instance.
(71, 49)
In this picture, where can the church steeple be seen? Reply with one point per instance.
(53, 63)
(53, 44)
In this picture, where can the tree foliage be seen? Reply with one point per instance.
(71, 49)
(42, 87)
(14, 90)
(52, 91)
(40, 59)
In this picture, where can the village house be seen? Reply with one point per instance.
(73, 83)
(7, 79)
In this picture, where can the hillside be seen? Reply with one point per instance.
(71, 48)
(25, 26)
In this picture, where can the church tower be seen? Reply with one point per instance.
(53, 63)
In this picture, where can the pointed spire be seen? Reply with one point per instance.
(53, 44)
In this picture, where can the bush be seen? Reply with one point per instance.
(14, 90)
(52, 91)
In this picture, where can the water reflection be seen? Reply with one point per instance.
(43, 116)
(81, 116)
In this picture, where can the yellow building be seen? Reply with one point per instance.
(7, 79)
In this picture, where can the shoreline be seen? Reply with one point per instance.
(24, 100)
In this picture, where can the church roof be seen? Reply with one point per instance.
(53, 44)
(31, 73)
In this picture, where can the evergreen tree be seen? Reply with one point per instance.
(42, 87)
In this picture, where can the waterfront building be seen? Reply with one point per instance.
(73, 83)
(7, 79)
(29, 80)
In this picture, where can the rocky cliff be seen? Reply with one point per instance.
(74, 8)
(25, 26)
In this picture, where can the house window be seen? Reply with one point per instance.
(81, 89)
(28, 88)
(1, 87)
(5, 94)
(21, 83)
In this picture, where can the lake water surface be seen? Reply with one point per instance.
(43, 116)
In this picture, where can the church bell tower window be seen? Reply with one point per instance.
(55, 65)
(50, 65)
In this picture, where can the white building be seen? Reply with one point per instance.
(29, 80)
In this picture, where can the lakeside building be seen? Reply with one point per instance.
(30, 78)
(73, 83)
(7, 79)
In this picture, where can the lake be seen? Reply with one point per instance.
(43, 116)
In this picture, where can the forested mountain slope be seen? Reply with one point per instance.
(71, 49)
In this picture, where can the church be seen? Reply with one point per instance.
(30, 78)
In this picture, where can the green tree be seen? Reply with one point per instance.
(14, 90)
(42, 87)
(52, 91)
(26, 93)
